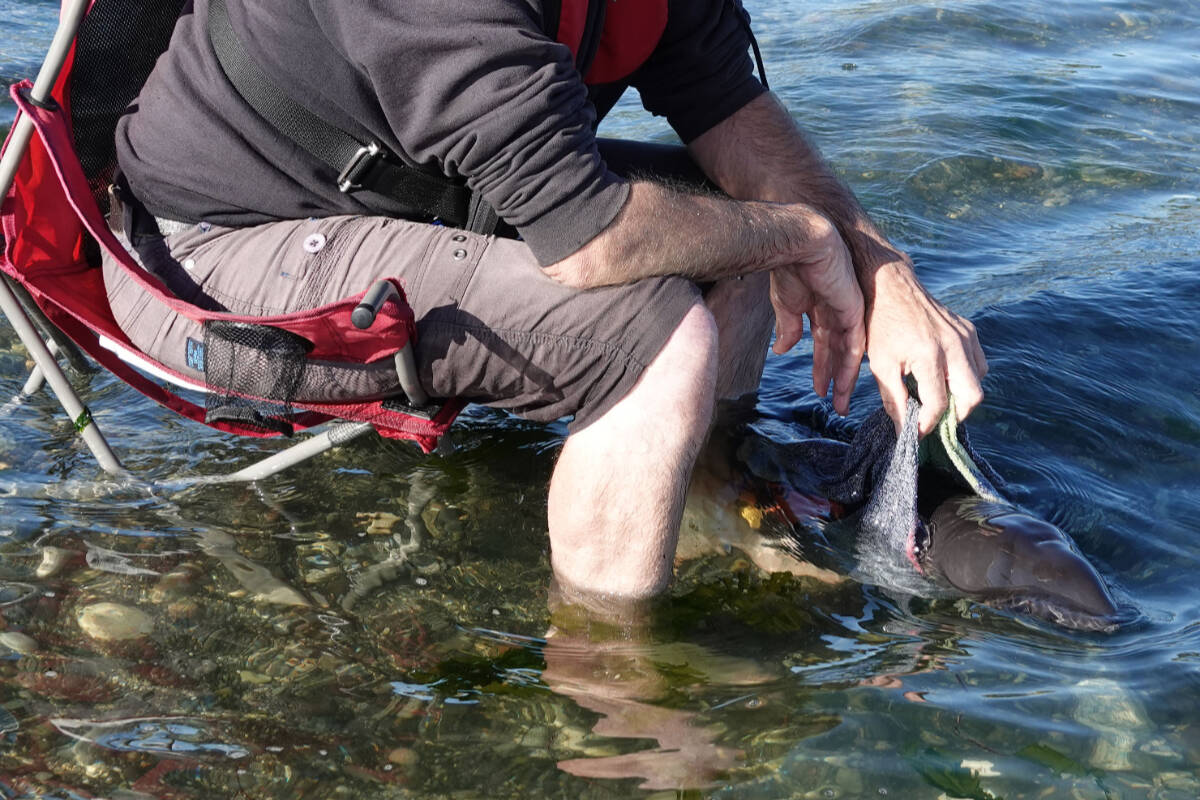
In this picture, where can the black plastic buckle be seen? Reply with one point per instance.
(360, 164)
(400, 404)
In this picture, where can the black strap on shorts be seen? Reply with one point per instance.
(369, 166)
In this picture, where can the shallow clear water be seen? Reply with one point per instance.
(1040, 162)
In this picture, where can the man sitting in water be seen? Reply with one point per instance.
(627, 302)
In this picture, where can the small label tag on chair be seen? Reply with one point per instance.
(195, 354)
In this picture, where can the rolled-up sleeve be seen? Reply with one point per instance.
(701, 72)
(478, 90)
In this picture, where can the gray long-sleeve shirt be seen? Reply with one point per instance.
(471, 88)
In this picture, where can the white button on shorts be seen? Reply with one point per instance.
(314, 242)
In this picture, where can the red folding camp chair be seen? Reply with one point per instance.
(54, 177)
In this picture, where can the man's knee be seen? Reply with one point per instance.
(689, 364)
(698, 331)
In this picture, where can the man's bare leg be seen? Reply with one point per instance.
(618, 488)
(617, 494)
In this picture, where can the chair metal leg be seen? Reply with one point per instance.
(35, 382)
(33, 385)
(302, 451)
(72, 15)
(76, 410)
(60, 342)
(37, 378)
(60, 47)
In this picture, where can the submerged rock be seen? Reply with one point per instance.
(112, 622)
(1117, 718)
(18, 642)
(180, 581)
(53, 560)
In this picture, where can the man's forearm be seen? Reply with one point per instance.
(760, 153)
(663, 231)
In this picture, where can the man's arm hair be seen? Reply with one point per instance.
(709, 237)
(741, 156)
(664, 230)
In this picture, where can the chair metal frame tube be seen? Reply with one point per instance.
(72, 15)
(60, 47)
(406, 363)
(80, 417)
(36, 380)
(62, 343)
(302, 451)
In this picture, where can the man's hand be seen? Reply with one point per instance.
(759, 153)
(823, 286)
(909, 332)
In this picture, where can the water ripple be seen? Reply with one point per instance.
(175, 736)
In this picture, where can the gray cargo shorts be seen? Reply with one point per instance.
(491, 327)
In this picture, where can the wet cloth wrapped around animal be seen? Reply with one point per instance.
(942, 504)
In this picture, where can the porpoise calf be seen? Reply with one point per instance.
(963, 534)
(1004, 557)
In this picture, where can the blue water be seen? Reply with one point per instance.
(1039, 161)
